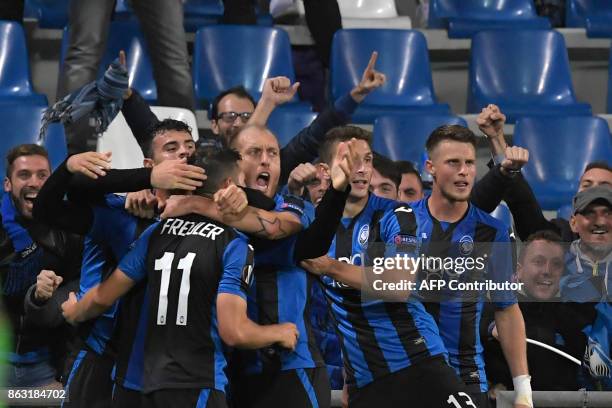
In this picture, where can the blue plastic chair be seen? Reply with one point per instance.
(560, 148)
(225, 56)
(126, 35)
(526, 73)
(21, 124)
(404, 137)
(15, 82)
(464, 18)
(49, 13)
(610, 84)
(594, 15)
(286, 124)
(402, 56)
(502, 213)
(565, 212)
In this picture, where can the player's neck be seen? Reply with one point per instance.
(445, 209)
(354, 206)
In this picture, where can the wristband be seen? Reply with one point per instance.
(522, 389)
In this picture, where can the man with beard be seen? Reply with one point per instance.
(31, 250)
(271, 377)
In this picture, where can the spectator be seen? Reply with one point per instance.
(511, 187)
(586, 282)
(386, 177)
(32, 251)
(587, 277)
(540, 267)
(162, 25)
(411, 186)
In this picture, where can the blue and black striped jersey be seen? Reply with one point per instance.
(377, 338)
(476, 235)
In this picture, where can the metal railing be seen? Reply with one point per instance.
(560, 399)
(541, 399)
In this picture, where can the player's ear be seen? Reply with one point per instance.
(429, 167)
(7, 184)
(147, 163)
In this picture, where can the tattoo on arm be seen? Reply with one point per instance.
(270, 227)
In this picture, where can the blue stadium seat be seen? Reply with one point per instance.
(565, 212)
(286, 124)
(49, 13)
(226, 55)
(464, 18)
(594, 15)
(197, 14)
(560, 148)
(15, 83)
(610, 84)
(21, 124)
(402, 56)
(403, 137)
(126, 35)
(502, 213)
(524, 72)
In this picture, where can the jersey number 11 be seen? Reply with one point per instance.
(164, 264)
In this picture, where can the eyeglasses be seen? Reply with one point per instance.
(230, 117)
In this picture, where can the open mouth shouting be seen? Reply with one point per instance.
(262, 181)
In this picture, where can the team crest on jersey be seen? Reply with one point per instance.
(364, 234)
(466, 245)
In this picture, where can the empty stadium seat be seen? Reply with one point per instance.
(225, 56)
(367, 8)
(403, 137)
(464, 18)
(594, 15)
(565, 212)
(49, 13)
(502, 213)
(559, 150)
(118, 137)
(21, 124)
(126, 35)
(610, 85)
(402, 56)
(524, 72)
(197, 13)
(285, 125)
(15, 83)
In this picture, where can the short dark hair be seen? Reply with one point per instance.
(407, 167)
(341, 134)
(598, 165)
(542, 235)
(23, 150)
(219, 164)
(387, 168)
(160, 127)
(455, 133)
(239, 91)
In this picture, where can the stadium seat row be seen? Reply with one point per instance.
(540, 84)
(462, 18)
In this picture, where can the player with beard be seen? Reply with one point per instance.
(197, 300)
(110, 231)
(386, 346)
(271, 377)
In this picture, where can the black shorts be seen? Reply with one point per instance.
(185, 398)
(298, 388)
(89, 382)
(481, 399)
(126, 398)
(429, 383)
